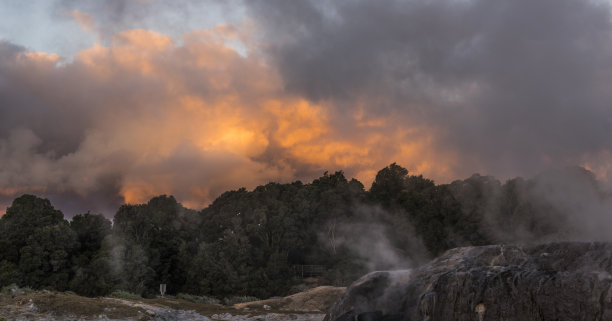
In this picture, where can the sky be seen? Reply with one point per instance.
(111, 102)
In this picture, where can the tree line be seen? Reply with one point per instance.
(247, 242)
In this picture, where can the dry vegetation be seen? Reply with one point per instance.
(28, 305)
(55, 304)
(317, 299)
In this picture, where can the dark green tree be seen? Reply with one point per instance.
(388, 185)
(20, 227)
(26, 214)
(152, 239)
(90, 269)
(45, 260)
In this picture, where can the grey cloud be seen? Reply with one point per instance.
(110, 16)
(171, 17)
(509, 86)
(95, 132)
(21, 106)
(516, 86)
(46, 114)
(60, 104)
(74, 189)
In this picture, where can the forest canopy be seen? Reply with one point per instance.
(250, 242)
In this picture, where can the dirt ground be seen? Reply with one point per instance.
(316, 299)
(310, 305)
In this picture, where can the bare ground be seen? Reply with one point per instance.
(310, 305)
(316, 299)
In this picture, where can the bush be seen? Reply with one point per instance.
(14, 289)
(197, 298)
(9, 273)
(298, 288)
(239, 299)
(120, 294)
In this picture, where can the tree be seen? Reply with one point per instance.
(90, 229)
(152, 238)
(46, 258)
(388, 184)
(26, 214)
(9, 273)
(89, 267)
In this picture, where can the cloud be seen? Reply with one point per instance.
(288, 90)
(84, 20)
(145, 116)
(107, 18)
(513, 87)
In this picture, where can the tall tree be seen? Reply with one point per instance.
(26, 214)
(388, 185)
(45, 260)
(90, 270)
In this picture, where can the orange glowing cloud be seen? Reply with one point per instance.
(601, 165)
(198, 118)
(85, 20)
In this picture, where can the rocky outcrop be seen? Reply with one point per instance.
(557, 281)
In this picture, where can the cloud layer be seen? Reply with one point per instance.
(512, 86)
(445, 88)
(145, 116)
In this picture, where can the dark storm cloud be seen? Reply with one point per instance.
(48, 116)
(514, 86)
(46, 113)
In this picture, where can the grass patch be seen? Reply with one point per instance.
(120, 294)
(61, 305)
(66, 305)
(15, 290)
(239, 299)
(197, 298)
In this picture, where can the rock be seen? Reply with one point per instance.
(557, 281)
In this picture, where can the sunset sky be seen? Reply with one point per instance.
(111, 102)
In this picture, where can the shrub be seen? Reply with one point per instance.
(239, 299)
(14, 289)
(120, 294)
(197, 298)
(298, 288)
